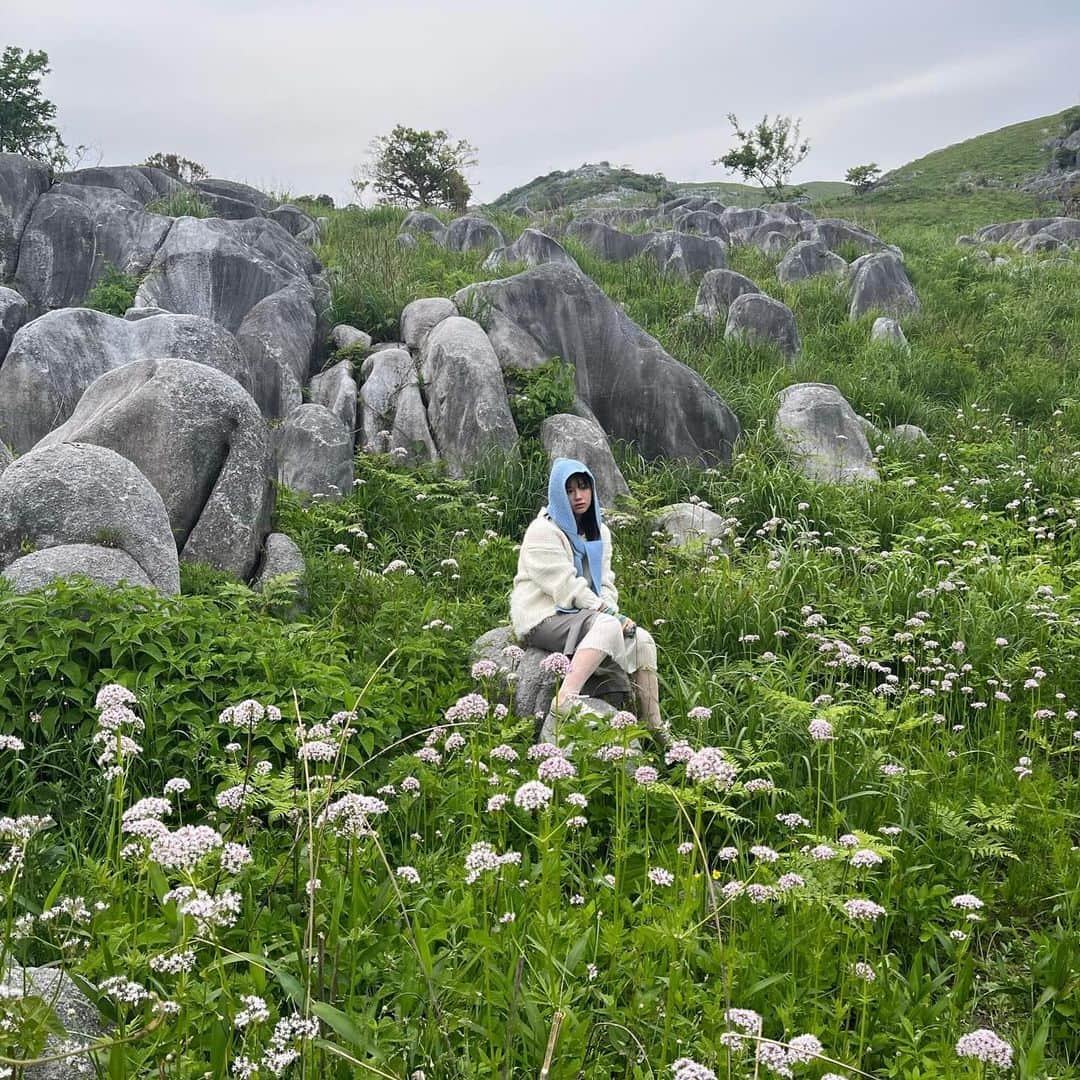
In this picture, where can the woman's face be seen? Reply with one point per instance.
(579, 493)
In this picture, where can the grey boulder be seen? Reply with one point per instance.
(74, 493)
(282, 561)
(143, 183)
(420, 222)
(198, 437)
(471, 233)
(344, 336)
(54, 359)
(103, 565)
(717, 291)
(293, 220)
(22, 181)
(759, 319)
(569, 436)
(684, 254)
(807, 259)
(5, 457)
(881, 284)
(420, 317)
(909, 433)
(703, 222)
(736, 218)
(532, 248)
(73, 232)
(635, 389)
(888, 331)
(608, 243)
(335, 389)
(688, 524)
(14, 311)
(823, 435)
(834, 232)
(467, 406)
(314, 453)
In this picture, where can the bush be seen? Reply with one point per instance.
(535, 395)
(181, 204)
(114, 292)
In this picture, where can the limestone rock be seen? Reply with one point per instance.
(608, 243)
(471, 233)
(565, 435)
(760, 319)
(684, 254)
(5, 457)
(718, 289)
(532, 248)
(806, 259)
(419, 221)
(22, 181)
(335, 388)
(689, 523)
(791, 210)
(103, 565)
(13, 313)
(314, 453)
(213, 187)
(277, 338)
(703, 222)
(406, 241)
(143, 183)
(420, 317)
(78, 494)
(346, 337)
(823, 434)
(834, 232)
(881, 284)
(736, 218)
(198, 437)
(888, 331)
(466, 398)
(282, 559)
(636, 390)
(292, 219)
(73, 232)
(909, 433)
(53, 359)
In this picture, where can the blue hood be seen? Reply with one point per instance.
(558, 508)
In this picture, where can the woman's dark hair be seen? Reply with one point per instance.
(588, 523)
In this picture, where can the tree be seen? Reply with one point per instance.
(419, 168)
(863, 176)
(767, 153)
(26, 117)
(181, 167)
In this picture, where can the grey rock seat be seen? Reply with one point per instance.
(759, 319)
(335, 388)
(467, 406)
(634, 388)
(73, 232)
(198, 437)
(823, 435)
(14, 311)
(54, 358)
(22, 182)
(393, 416)
(569, 436)
(314, 453)
(420, 317)
(472, 233)
(74, 493)
(532, 248)
(103, 565)
(718, 289)
(881, 284)
(808, 258)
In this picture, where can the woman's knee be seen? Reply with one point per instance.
(606, 624)
(645, 638)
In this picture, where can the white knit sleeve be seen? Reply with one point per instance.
(549, 561)
(608, 593)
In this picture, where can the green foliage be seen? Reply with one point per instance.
(26, 116)
(419, 168)
(183, 203)
(565, 187)
(863, 176)
(539, 393)
(1070, 119)
(114, 292)
(767, 153)
(183, 168)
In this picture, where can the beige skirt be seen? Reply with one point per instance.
(566, 633)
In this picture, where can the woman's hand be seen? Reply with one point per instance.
(629, 627)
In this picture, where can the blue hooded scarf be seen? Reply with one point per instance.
(586, 552)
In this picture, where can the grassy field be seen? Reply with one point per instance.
(328, 850)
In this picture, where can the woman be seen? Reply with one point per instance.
(564, 597)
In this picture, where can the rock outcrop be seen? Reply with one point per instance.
(314, 453)
(760, 320)
(635, 389)
(393, 418)
(14, 311)
(420, 317)
(335, 389)
(880, 283)
(823, 435)
(569, 436)
(22, 182)
(718, 290)
(807, 259)
(532, 248)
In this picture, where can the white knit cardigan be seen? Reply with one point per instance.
(546, 578)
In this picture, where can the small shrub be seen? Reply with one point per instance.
(535, 395)
(1071, 119)
(181, 204)
(114, 292)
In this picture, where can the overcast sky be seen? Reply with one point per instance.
(289, 95)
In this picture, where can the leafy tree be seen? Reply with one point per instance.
(26, 117)
(863, 176)
(419, 168)
(766, 153)
(182, 167)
